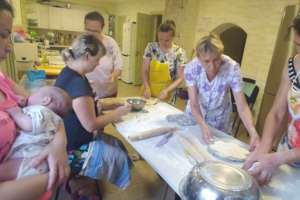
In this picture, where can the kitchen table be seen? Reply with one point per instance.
(170, 160)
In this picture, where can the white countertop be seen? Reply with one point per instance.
(170, 161)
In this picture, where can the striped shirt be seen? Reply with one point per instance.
(293, 74)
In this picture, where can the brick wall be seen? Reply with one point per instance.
(260, 19)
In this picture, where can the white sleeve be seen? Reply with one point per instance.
(43, 119)
(117, 57)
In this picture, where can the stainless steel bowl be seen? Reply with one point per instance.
(137, 104)
(213, 180)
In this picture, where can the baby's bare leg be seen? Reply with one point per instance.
(9, 169)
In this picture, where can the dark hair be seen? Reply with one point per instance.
(171, 22)
(296, 24)
(168, 25)
(4, 5)
(94, 16)
(85, 43)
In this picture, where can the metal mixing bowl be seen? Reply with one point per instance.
(213, 180)
(137, 104)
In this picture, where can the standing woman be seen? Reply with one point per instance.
(287, 102)
(91, 152)
(209, 78)
(163, 63)
(54, 153)
(104, 78)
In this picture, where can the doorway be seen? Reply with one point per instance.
(234, 40)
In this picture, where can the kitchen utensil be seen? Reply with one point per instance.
(151, 133)
(212, 180)
(164, 140)
(191, 149)
(137, 103)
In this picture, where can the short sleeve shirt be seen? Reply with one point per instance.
(76, 86)
(11, 99)
(176, 56)
(100, 77)
(214, 96)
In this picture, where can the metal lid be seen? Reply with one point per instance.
(224, 176)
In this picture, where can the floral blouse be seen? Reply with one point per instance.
(176, 57)
(214, 96)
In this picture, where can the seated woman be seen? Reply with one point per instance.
(163, 63)
(55, 152)
(262, 163)
(91, 152)
(209, 78)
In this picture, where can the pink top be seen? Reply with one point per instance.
(7, 125)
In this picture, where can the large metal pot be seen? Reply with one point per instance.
(211, 180)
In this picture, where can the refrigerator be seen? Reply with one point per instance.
(284, 49)
(128, 51)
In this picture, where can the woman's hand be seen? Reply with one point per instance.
(147, 93)
(254, 142)
(57, 159)
(123, 110)
(263, 166)
(206, 133)
(254, 157)
(163, 94)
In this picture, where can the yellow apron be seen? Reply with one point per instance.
(159, 77)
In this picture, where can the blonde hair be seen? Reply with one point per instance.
(210, 43)
(84, 43)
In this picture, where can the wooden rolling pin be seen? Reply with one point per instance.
(191, 149)
(151, 133)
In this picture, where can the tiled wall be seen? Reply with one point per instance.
(259, 18)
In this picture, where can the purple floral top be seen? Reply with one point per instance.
(214, 96)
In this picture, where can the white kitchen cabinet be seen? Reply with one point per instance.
(32, 14)
(48, 17)
(73, 20)
(43, 20)
(37, 15)
(55, 18)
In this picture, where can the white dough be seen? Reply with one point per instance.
(229, 150)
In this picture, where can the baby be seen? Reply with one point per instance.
(37, 123)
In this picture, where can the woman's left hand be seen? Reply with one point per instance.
(163, 94)
(254, 141)
(57, 159)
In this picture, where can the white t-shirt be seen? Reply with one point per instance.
(100, 77)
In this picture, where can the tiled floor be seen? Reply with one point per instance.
(146, 184)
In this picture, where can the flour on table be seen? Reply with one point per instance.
(229, 150)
